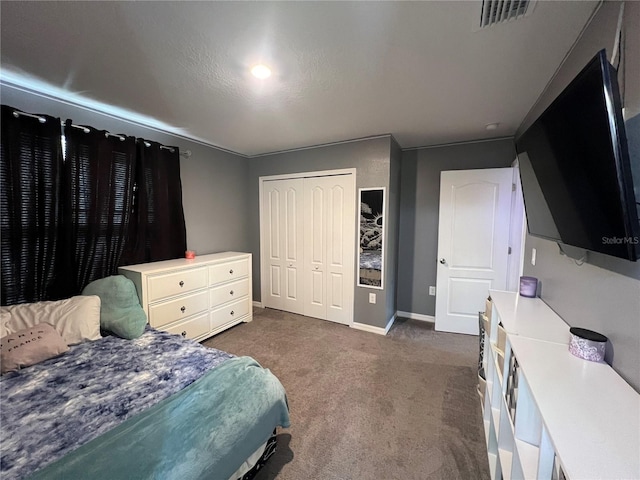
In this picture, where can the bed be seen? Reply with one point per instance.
(157, 406)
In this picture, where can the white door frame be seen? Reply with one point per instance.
(287, 176)
(517, 233)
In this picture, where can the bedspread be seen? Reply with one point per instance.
(52, 408)
(175, 439)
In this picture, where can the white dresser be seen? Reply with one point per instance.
(195, 298)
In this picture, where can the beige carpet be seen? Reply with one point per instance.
(366, 406)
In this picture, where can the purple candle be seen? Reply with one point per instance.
(528, 286)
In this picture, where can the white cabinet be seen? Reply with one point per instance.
(195, 298)
(548, 414)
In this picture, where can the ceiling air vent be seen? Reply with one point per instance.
(498, 11)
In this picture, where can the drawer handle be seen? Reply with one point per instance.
(231, 292)
(181, 283)
(232, 312)
(184, 334)
(231, 271)
(183, 309)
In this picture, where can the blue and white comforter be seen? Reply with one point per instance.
(54, 407)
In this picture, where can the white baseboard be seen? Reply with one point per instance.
(372, 329)
(257, 304)
(416, 316)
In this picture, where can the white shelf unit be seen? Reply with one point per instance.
(572, 417)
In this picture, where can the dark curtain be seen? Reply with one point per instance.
(158, 232)
(98, 189)
(30, 168)
(67, 221)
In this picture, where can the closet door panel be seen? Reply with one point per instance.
(292, 224)
(274, 223)
(341, 236)
(335, 224)
(317, 289)
(317, 222)
(276, 283)
(271, 205)
(283, 210)
(315, 216)
(293, 246)
(335, 290)
(292, 283)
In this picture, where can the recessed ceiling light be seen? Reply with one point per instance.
(261, 71)
(492, 126)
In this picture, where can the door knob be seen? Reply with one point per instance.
(443, 261)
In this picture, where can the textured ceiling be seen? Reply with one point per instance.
(342, 70)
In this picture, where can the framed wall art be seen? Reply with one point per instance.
(372, 234)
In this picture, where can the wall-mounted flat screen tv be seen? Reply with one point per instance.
(576, 171)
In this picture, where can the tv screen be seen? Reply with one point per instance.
(575, 168)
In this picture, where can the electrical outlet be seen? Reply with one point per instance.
(533, 256)
(372, 298)
(432, 291)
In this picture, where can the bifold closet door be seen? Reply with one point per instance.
(329, 243)
(282, 205)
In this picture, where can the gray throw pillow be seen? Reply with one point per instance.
(30, 346)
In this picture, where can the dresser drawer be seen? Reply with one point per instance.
(182, 307)
(176, 283)
(192, 328)
(228, 292)
(228, 313)
(228, 271)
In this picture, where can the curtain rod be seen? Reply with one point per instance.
(171, 149)
(186, 153)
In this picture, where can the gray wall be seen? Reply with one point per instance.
(419, 203)
(214, 182)
(393, 228)
(371, 158)
(603, 294)
(599, 34)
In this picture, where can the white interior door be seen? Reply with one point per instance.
(473, 244)
(282, 207)
(329, 247)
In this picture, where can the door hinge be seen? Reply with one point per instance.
(513, 187)
(509, 253)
